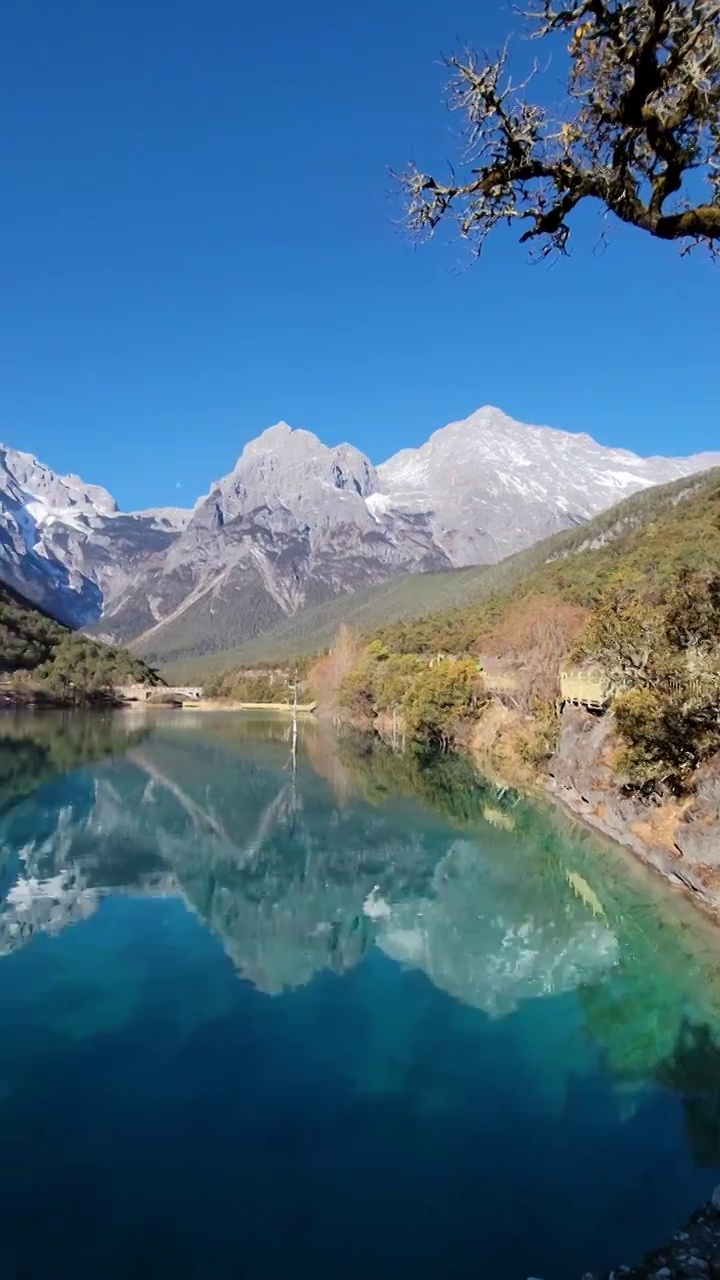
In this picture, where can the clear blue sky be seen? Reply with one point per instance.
(197, 239)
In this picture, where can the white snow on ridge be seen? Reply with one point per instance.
(626, 478)
(476, 491)
(378, 504)
(44, 515)
(489, 480)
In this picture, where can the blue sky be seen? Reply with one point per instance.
(198, 237)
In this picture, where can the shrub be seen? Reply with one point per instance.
(379, 681)
(439, 698)
(357, 694)
(626, 635)
(533, 640)
(393, 678)
(666, 737)
(328, 674)
(536, 745)
(243, 686)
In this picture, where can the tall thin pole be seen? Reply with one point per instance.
(294, 687)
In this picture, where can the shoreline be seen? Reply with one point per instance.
(676, 838)
(281, 708)
(17, 701)
(677, 841)
(694, 1251)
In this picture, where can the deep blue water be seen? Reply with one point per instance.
(367, 1017)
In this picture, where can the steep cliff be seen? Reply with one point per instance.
(678, 838)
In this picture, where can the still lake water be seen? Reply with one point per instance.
(371, 1018)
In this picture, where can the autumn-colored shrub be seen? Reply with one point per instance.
(533, 640)
(326, 677)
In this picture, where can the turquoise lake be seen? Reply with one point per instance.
(354, 1014)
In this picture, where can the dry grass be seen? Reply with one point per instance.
(660, 826)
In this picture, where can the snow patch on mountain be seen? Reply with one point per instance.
(494, 486)
(164, 517)
(297, 521)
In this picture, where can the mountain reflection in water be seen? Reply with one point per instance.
(292, 881)
(504, 976)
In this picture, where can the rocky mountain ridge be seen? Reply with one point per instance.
(297, 522)
(65, 544)
(494, 486)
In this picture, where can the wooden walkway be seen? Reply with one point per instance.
(284, 708)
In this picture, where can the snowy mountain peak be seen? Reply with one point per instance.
(298, 521)
(487, 416)
(493, 485)
(165, 517)
(291, 469)
(281, 436)
(272, 436)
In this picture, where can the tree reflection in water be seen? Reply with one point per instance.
(447, 989)
(693, 1070)
(495, 898)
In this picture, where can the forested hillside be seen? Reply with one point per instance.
(653, 533)
(36, 647)
(636, 593)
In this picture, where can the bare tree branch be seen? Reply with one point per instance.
(643, 139)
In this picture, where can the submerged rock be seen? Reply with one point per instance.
(694, 1251)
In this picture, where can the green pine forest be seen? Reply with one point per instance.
(41, 656)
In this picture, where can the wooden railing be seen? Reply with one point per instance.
(585, 688)
(595, 690)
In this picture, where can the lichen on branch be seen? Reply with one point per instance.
(640, 132)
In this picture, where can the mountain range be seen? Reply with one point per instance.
(296, 523)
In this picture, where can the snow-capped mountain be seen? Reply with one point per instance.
(296, 522)
(65, 544)
(292, 524)
(491, 486)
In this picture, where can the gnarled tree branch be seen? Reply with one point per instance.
(644, 137)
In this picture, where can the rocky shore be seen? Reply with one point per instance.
(678, 838)
(693, 1251)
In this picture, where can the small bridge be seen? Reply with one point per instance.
(148, 692)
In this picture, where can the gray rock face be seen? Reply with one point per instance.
(292, 524)
(64, 543)
(694, 1251)
(491, 486)
(296, 523)
(678, 840)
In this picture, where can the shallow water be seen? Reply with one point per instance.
(364, 1015)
